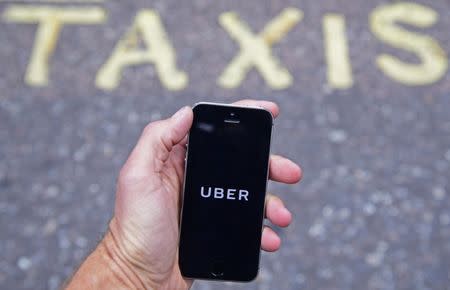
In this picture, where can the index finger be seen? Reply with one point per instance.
(270, 106)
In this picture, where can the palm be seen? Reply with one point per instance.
(156, 200)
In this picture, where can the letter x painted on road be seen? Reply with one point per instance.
(255, 50)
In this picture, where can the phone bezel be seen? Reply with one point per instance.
(265, 194)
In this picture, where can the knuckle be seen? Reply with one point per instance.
(275, 199)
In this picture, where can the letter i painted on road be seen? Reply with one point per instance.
(339, 71)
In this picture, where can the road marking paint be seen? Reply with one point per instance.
(434, 63)
(158, 51)
(255, 50)
(339, 71)
(51, 20)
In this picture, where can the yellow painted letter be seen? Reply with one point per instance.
(336, 52)
(433, 61)
(159, 51)
(256, 51)
(51, 20)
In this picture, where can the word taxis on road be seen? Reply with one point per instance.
(400, 25)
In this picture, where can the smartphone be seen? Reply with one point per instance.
(226, 171)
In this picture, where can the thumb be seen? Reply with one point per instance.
(176, 128)
(157, 140)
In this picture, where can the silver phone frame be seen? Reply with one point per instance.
(265, 193)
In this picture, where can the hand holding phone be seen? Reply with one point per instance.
(140, 248)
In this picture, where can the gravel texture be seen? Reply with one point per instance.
(373, 209)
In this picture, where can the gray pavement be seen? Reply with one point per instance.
(373, 209)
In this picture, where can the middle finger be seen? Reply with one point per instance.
(284, 170)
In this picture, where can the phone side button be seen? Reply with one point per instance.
(217, 268)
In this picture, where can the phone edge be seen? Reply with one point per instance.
(265, 193)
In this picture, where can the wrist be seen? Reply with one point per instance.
(108, 268)
(117, 264)
(121, 268)
(134, 264)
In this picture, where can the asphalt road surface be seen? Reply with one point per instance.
(373, 209)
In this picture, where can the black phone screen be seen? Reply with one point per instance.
(224, 192)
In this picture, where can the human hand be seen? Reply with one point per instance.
(142, 240)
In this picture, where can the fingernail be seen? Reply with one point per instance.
(180, 113)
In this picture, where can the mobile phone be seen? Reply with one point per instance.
(224, 192)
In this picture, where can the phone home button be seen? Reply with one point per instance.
(217, 268)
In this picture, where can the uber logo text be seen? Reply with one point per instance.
(220, 193)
